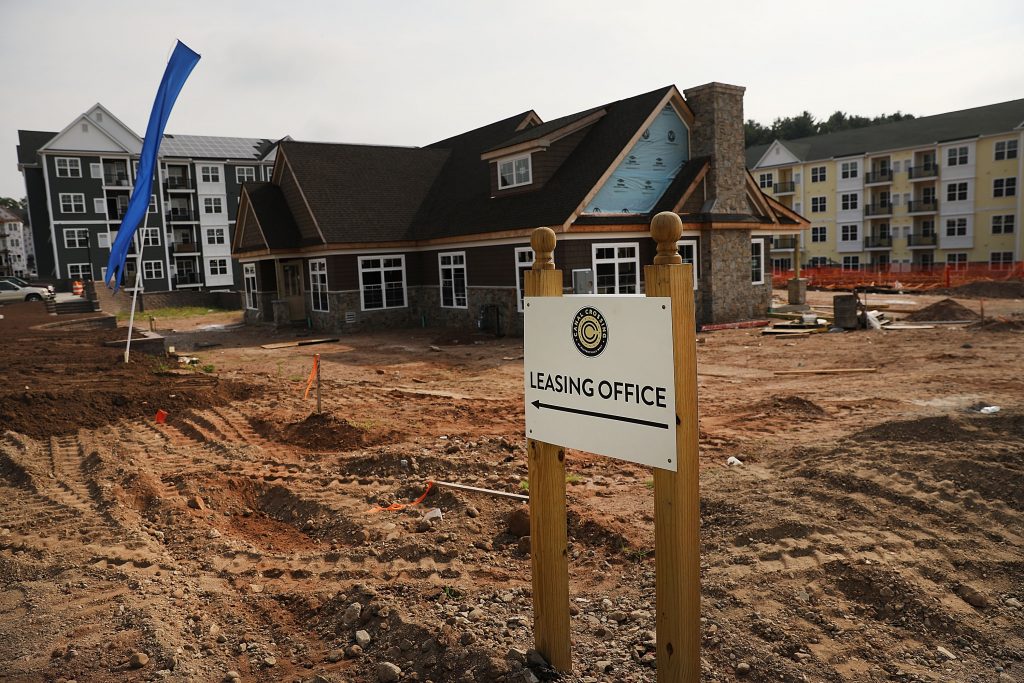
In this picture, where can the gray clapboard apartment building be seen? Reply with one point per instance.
(79, 180)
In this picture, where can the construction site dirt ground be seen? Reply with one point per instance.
(874, 532)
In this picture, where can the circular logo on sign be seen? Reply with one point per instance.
(589, 331)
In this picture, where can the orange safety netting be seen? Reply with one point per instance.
(914, 278)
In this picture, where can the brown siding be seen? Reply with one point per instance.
(546, 163)
(292, 195)
(251, 236)
(342, 273)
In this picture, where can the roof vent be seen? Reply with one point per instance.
(350, 317)
(85, 127)
(99, 116)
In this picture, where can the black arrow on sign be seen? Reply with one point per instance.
(647, 423)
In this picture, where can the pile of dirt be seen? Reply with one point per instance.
(929, 429)
(1003, 289)
(998, 325)
(946, 309)
(315, 432)
(789, 406)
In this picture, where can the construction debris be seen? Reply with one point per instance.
(298, 342)
(827, 371)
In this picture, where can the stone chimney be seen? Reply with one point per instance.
(718, 133)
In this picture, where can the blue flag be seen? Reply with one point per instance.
(182, 61)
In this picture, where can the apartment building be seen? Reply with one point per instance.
(79, 182)
(938, 190)
(16, 255)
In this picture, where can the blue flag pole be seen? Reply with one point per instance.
(179, 66)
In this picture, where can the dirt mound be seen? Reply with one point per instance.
(998, 325)
(929, 429)
(1003, 289)
(316, 432)
(788, 406)
(947, 309)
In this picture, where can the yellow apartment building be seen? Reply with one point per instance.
(937, 190)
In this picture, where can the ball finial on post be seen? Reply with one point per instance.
(543, 243)
(666, 229)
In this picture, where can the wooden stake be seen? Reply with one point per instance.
(549, 541)
(318, 410)
(677, 494)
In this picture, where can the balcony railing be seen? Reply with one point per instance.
(923, 171)
(185, 247)
(785, 187)
(881, 209)
(883, 175)
(919, 239)
(180, 215)
(187, 279)
(787, 242)
(922, 206)
(178, 183)
(116, 213)
(877, 241)
(115, 179)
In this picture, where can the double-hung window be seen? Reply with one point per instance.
(209, 174)
(616, 268)
(382, 282)
(1001, 259)
(766, 180)
(957, 260)
(245, 174)
(956, 227)
(524, 262)
(152, 270)
(757, 261)
(215, 236)
(849, 233)
(218, 266)
(318, 284)
(819, 204)
(848, 202)
(80, 271)
(213, 205)
(956, 192)
(688, 253)
(515, 172)
(956, 156)
(1004, 187)
(1003, 225)
(818, 174)
(1007, 149)
(75, 238)
(453, 279)
(249, 277)
(849, 169)
(72, 202)
(151, 237)
(819, 233)
(69, 167)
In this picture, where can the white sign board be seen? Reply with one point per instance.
(599, 376)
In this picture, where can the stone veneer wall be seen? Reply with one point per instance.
(718, 132)
(264, 312)
(727, 294)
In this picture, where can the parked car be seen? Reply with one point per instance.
(24, 283)
(11, 292)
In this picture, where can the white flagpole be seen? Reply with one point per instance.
(138, 283)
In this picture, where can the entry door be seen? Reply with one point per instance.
(291, 289)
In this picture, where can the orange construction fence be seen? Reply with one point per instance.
(902, 276)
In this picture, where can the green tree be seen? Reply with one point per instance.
(9, 203)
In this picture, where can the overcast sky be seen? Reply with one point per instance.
(411, 73)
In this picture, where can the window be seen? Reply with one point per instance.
(269, 171)
(218, 266)
(1004, 187)
(68, 167)
(318, 284)
(956, 227)
(72, 202)
(99, 205)
(766, 180)
(130, 272)
(818, 204)
(212, 205)
(245, 174)
(957, 260)
(956, 156)
(103, 240)
(515, 172)
(453, 279)
(95, 171)
(152, 203)
(382, 282)
(819, 233)
(757, 261)
(152, 270)
(688, 253)
(524, 262)
(849, 169)
(75, 238)
(1002, 225)
(1001, 259)
(956, 192)
(249, 276)
(215, 235)
(818, 174)
(209, 174)
(849, 233)
(848, 202)
(818, 262)
(150, 237)
(1006, 149)
(616, 268)
(851, 263)
(80, 271)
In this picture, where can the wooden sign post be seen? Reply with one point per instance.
(549, 539)
(676, 493)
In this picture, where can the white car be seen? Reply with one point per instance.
(11, 292)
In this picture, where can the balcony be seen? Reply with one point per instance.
(115, 180)
(178, 183)
(921, 239)
(923, 171)
(882, 175)
(785, 187)
(187, 279)
(786, 243)
(878, 241)
(880, 209)
(116, 213)
(922, 206)
(184, 247)
(180, 215)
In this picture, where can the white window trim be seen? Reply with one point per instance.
(318, 267)
(824, 234)
(513, 160)
(209, 267)
(822, 200)
(384, 300)
(148, 233)
(520, 283)
(820, 172)
(96, 171)
(238, 172)
(616, 260)
(103, 240)
(212, 171)
(71, 195)
(249, 273)
(759, 241)
(80, 266)
(465, 279)
(856, 232)
(72, 163)
(692, 241)
(157, 267)
(74, 232)
(213, 205)
(210, 232)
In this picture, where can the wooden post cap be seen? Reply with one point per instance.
(666, 229)
(543, 243)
